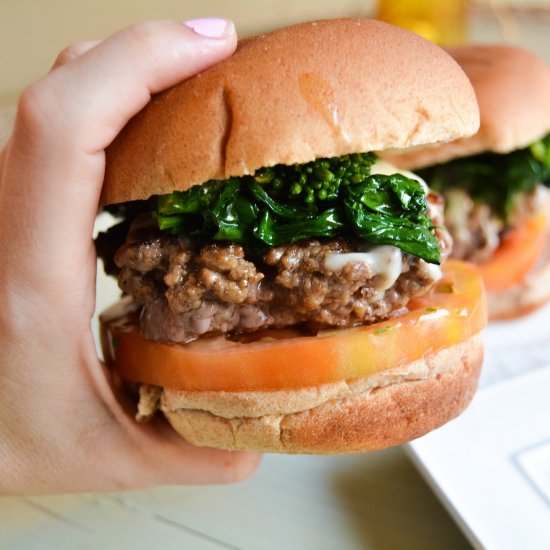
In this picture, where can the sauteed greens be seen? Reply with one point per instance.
(323, 198)
(495, 179)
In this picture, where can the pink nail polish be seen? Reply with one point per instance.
(213, 27)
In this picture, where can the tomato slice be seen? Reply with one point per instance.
(451, 312)
(516, 254)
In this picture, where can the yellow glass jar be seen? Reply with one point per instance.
(441, 21)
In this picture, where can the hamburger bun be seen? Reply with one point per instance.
(364, 414)
(315, 90)
(512, 86)
(320, 89)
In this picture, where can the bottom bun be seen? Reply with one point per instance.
(366, 414)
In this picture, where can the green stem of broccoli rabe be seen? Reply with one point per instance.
(323, 198)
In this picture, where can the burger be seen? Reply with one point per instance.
(284, 289)
(496, 182)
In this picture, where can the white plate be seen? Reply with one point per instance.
(491, 466)
(515, 347)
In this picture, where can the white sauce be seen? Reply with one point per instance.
(434, 271)
(382, 260)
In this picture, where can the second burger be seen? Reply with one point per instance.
(496, 182)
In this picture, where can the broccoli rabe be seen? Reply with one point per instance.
(495, 179)
(315, 182)
(324, 198)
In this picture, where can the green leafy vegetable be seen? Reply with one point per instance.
(327, 224)
(493, 178)
(323, 198)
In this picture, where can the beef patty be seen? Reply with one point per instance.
(188, 290)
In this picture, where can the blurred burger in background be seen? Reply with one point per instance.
(495, 183)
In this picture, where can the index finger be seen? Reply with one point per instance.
(55, 160)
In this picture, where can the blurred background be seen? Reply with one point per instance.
(32, 32)
(363, 501)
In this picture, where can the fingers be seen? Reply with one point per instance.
(55, 161)
(73, 51)
(187, 464)
(116, 79)
(206, 466)
(136, 455)
(184, 463)
(152, 452)
(190, 466)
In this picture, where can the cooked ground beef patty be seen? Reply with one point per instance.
(477, 229)
(187, 291)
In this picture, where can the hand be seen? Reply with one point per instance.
(62, 427)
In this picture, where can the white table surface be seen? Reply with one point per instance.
(293, 502)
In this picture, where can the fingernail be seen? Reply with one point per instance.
(213, 27)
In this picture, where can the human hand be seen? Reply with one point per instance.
(62, 428)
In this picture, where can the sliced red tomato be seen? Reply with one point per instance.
(451, 312)
(517, 253)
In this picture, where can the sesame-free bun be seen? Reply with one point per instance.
(512, 87)
(319, 89)
(365, 414)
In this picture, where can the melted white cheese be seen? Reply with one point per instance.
(433, 271)
(382, 260)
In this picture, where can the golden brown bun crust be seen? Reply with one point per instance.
(313, 90)
(380, 416)
(512, 87)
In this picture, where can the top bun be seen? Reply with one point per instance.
(513, 91)
(319, 89)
